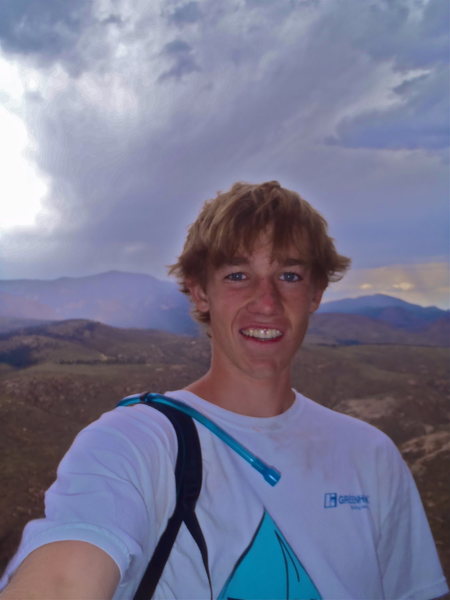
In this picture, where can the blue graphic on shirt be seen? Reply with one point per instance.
(269, 569)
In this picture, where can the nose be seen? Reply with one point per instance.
(265, 299)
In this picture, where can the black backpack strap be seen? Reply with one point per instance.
(188, 477)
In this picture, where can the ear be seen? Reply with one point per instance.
(198, 295)
(316, 299)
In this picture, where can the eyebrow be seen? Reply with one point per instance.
(237, 261)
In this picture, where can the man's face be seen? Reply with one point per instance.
(259, 309)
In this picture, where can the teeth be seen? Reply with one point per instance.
(262, 333)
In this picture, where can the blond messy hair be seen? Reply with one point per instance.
(232, 222)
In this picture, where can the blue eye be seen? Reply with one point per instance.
(237, 276)
(291, 277)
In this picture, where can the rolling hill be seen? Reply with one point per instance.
(115, 298)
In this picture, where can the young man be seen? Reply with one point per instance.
(343, 522)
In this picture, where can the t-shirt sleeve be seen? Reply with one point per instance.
(104, 493)
(409, 562)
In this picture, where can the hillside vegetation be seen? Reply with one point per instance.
(56, 378)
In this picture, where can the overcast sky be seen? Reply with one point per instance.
(119, 118)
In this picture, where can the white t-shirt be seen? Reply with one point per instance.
(344, 521)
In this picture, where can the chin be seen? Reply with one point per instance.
(263, 370)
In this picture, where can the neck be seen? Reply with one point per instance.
(246, 396)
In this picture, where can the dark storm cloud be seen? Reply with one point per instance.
(186, 13)
(399, 126)
(412, 34)
(181, 55)
(413, 39)
(113, 19)
(46, 29)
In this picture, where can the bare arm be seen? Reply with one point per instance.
(68, 570)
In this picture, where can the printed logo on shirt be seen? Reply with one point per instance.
(356, 502)
(330, 500)
(269, 568)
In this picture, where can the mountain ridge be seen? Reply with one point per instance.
(138, 300)
(388, 309)
(376, 301)
(117, 298)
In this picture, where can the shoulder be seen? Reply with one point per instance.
(133, 425)
(327, 418)
(354, 451)
(129, 440)
(348, 435)
(113, 485)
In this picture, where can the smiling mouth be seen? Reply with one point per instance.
(262, 333)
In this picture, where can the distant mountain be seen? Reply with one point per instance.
(115, 298)
(388, 309)
(24, 307)
(9, 324)
(131, 300)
